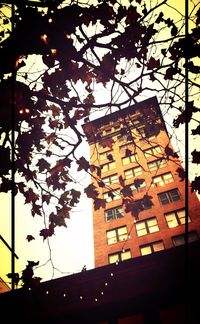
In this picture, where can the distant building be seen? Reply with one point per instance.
(145, 196)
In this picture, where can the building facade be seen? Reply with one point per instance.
(141, 190)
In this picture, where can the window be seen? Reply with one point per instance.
(117, 235)
(147, 226)
(129, 159)
(180, 239)
(104, 156)
(176, 218)
(119, 256)
(114, 213)
(162, 179)
(111, 179)
(169, 196)
(151, 248)
(155, 165)
(108, 166)
(152, 151)
(130, 173)
(140, 188)
(112, 195)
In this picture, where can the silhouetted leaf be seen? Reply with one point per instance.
(195, 156)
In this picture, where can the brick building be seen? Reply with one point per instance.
(139, 180)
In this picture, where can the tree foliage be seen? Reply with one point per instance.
(130, 49)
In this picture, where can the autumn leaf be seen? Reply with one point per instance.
(99, 203)
(46, 233)
(169, 152)
(195, 156)
(181, 173)
(153, 64)
(196, 184)
(75, 197)
(43, 165)
(121, 181)
(196, 131)
(138, 182)
(126, 191)
(128, 153)
(147, 200)
(110, 157)
(83, 164)
(30, 238)
(30, 196)
(91, 191)
(107, 142)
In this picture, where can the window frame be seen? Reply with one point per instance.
(117, 235)
(153, 151)
(168, 196)
(133, 173)
(163, 180)
(114, 214)
(109, 178)
(159, 164)
(133, 158)
(119, 256)
(177, 218)
(147, 227)
(152, 247)
(108, 164)
(182, 236)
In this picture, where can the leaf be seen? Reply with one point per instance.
(126, 191)
(75, 197)
(30, 238)
(196, 131)
(43, 165)
(121, 181)
(107, 142)
(153, 64)
(46, 233)
(169, 152)
(138, 182)
(99, 203)
(147, 200)
(30, 196)
(83, 164)
(128, 153)
(185, 117)
(196, 184)
(91, 191)
(110, 157)
(181, 173)
(195, 156)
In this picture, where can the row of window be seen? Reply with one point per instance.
(157, 181)
(152, 247)
(152, 166)
(152, 151)
(143, 227)
(164, 197)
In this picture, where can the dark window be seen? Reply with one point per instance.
(169, 196)
(114, 213)
(180, 239)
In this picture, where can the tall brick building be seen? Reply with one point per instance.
(140, 182)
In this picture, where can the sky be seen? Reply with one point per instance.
(72, 247)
